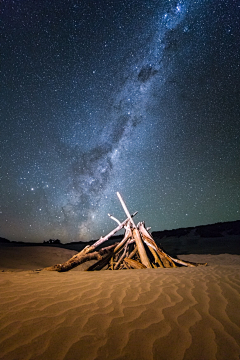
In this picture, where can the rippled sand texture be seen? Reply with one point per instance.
(184, 313)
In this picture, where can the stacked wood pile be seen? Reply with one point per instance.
(137, 250)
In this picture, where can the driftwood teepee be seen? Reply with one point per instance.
(137, 250)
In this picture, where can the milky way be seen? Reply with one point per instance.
(141, 98)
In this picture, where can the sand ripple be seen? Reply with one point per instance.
(157, 314)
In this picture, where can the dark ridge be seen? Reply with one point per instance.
(213, 239)
(3, 240)
(211, 230)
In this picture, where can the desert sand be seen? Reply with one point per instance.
(181, 313)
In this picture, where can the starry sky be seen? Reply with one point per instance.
(99, 96)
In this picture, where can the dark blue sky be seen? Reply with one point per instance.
(140, 97)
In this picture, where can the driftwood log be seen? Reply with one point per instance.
(137, 250)
(81, 257)
(86, 254)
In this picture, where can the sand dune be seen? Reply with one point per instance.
(182, 313)
(31, 257)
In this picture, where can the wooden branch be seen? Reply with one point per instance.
(136, 235)
(118, 248)
(128, 234)
(164, 262)
(187, 263)
(163, 256)
(134, 264)
(82, 257)
(126, 266)
(132, 241)
(165, 259)
(101, 263)
(121, 257)
(154, 253)
(141, 250)
(111, 263)
(126, 210)
(114, 219)
(105, 238)
(133, 252)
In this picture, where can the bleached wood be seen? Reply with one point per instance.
(117, 255)
(121, 257)
(133, 252)
(101, 263)
(128, 234)
(105, 238)
(141, 250)
(81, 257)
(136, 235)
(126, 209)
(134, 264)
(165, 258)
(154, 253)
(187, 263)
(117, 221)
(147, 238)
(118, 248)
(114, 219)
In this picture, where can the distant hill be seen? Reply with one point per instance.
(216, 238)
(212, 230)
(3, 240)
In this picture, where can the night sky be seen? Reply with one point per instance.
(140, 97)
